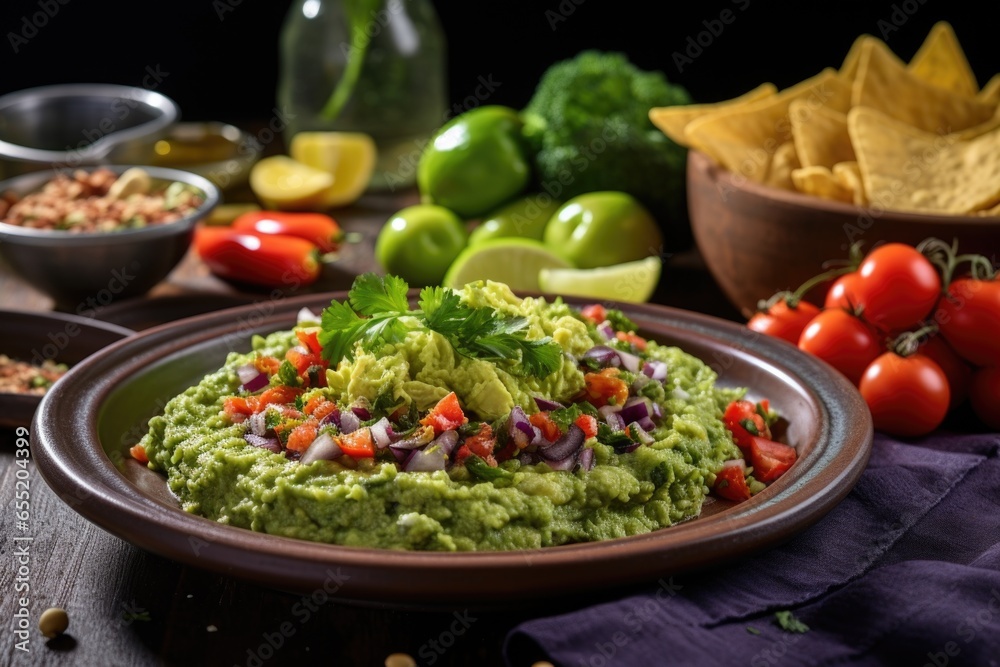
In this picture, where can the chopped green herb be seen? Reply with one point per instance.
(617, 440)
(287, 374)
(378, 313)
(481, 469)
(752, 630)
(750, 426)
(789, 623)
(300, 403)
(563, 417)
(619, 322)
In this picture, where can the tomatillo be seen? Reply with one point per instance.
(475, 162)
(419, 243)
(603, 228)
(524, 218)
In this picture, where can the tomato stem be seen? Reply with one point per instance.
(946, 258)
(907, 343)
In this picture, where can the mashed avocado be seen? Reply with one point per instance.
(620, 489)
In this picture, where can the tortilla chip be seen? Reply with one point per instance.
(907, 169)
(990, 94)
(783, 162)
(885, 84)
(852, 61)
(820, 134)
(940, 61)
(672, 120)
(820, 182)
(848, 174)
(743, 138)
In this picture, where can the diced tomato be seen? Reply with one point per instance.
(632, 339)
(358, 444)
(302, 436)
(605, 388)
(550, 430)
(238, 408)
(595, 312)
(744, 422)
(481, 444)
(770, 459)
(324, 410)
(277, 396)
(587, 424)
(267, 364)
(304, 360)
(138, 452)
(310, 339)
(447, 415)
(731, 484)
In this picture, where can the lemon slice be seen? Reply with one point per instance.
(516, 262)
(632, 281)
(347, 156)
(283, 183)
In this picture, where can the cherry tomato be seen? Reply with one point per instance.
(908, 396)
(782, 321)
(842, 340)
(258, 259)
(744, 422)
(843, 292)
(319, 229)
(984, 395)
(770, 459)
(897, 286)
(969, 318)
(958, 372)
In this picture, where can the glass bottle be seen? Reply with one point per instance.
(373, 66)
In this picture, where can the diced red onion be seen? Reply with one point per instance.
(639, 409)
(323, 448)
(520, 428)
(604, 356)
(401, 454)
(332, 418)
(380, 433)
(606, 330)
(640, 433)
(657, 411)
(606, 410)
(538, 438)
(258, 423)
(362, 412)
(567, 463)
(306, 315)
(271, 444)
(629, 361)
(568, 445)
(349, 422)
(427, 460)
(446, 441)
(418, 439)
(251, 378)
(545, 405)
(733, 463)
(655, 370)
(587, 458)
(615, 421)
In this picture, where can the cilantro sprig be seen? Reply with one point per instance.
(377, 312)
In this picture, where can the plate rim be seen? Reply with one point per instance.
(113, 502)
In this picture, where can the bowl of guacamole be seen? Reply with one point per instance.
(469, 431)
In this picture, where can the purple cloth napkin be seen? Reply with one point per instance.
(904, 571)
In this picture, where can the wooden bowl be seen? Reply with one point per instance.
(757, 240)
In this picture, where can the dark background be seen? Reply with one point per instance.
(226, 69)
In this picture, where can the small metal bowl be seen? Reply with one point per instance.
(222, 153)
(100, 267)
(72, 125)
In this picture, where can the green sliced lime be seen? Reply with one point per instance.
(632, 281)
(516, 262)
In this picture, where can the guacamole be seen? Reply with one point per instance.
(420, 439)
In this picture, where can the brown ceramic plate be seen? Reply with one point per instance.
(86, 422)
(34, 336)
(145, 313)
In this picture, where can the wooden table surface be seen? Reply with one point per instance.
(129, 607)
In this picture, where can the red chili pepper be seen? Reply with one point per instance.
(320, 229)
(259, 259)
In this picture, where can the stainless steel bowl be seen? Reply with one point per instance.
(100, 267)
(72, 125)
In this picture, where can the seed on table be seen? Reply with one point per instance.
(53, 622)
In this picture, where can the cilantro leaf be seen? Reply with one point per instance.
(789, 623)
(371, 294)
(340, 328)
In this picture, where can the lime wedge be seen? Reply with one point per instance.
(347, 156)
(632, 281)
(283, 183)
(516, 262)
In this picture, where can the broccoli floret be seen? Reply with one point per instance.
(588, 123)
